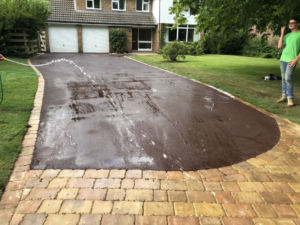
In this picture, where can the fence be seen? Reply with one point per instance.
(22, 43)
(42, 41)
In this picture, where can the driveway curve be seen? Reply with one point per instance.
(121, 114)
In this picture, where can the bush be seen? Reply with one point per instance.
(196, 48)
(175, 50)
(235, 44)
(266, 55)
(26, 14)
(238, 45)
(259, 47)
(162, 35)
(231, 47)
(117, 40)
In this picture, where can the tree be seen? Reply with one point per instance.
(30, 14)
(25, 14)
(232, 16)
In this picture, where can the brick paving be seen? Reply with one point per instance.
(263, 190)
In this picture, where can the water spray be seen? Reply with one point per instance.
(89, 77)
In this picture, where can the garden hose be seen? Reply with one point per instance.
(4, 74)
(34, 74)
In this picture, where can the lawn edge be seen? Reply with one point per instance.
(222, 91)
(22, 165)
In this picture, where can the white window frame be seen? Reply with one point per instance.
(118, 1)
(144, 49)
(143, 3)
(177, 32)
(86, 1)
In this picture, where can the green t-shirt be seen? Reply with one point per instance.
(292, 48)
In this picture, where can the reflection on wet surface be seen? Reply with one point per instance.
(123, 114)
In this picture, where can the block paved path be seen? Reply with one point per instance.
(263, 190)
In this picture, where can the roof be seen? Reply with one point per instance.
(64, 11)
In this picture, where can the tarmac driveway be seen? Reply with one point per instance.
(122, 114)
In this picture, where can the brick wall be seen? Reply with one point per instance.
(106, 5)
(80, 4)
(79, 33)
(47, 39)
(128, 31)
(155, 39)
(273, 41)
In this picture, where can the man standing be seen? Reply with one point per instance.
(289, 59)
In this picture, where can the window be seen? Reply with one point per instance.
(93, 4)
(118, 4)
(182, 33)
(191, 35)
(142, 5)
(172, 34)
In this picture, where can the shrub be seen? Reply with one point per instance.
(174, 50)
(231, 47)
(163, 31)
(196, 48)
(117, 40)
(259, 47)
(235, 44)
(31, 15)
(266, 55)
(212, 43)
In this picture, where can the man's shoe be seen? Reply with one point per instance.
(283, 99)
(290, 102)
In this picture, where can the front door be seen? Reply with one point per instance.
(135, 37)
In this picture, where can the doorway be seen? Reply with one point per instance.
(135, 37)
(141, 39)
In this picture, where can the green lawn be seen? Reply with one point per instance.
(15, 110)
(240, 76)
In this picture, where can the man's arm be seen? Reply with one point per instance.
(280, 42)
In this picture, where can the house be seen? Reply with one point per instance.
(84, 25)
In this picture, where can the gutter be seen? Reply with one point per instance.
(101, 24)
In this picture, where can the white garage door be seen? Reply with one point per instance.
(95, 39)
(63, 38)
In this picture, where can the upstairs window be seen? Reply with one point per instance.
(142, 5)
(118, 4)
(93, 4)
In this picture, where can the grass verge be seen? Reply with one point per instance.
(15, 110)
(238, 75)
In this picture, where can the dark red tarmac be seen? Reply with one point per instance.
(131, 116)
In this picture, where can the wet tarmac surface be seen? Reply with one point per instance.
(127, 115)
